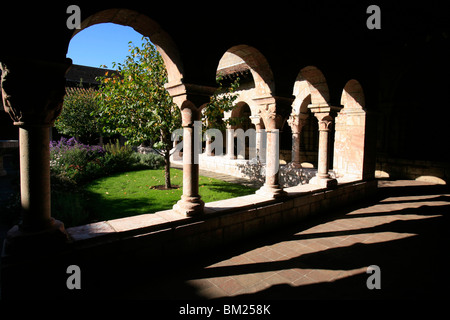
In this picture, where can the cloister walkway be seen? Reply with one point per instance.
(403, 231)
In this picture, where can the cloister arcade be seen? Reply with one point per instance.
(316, 92)
(258, 104)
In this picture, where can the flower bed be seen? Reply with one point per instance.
(72, 162)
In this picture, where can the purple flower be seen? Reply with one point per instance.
(72, 142)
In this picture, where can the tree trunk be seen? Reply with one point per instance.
(167, 169)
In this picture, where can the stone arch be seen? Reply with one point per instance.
(352, 156)
(147, 27)
(353, 95)
(310, 88)
(241, 109)
(259, 68)
(309, 84)
(240, 102)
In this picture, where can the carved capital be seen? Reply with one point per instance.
(37, 101)
(322, 110)
(297, 122)
(325, 124)
(189, 114)
(268, 115)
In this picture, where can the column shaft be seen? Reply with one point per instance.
(325, 115)
(295, 161)
(230, 143)
(35, 177)
(271, 187)
(322, 167)
(190, 203)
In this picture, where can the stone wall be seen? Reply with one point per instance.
(166, 233)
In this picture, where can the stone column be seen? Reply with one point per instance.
(230, 143)
(296, 122)
(271, 187)
(256, 120)
(262, 138)
(325, 115)
(272, 122)
(208, 146)
(190, 203)
(34, 113)
(188, 97)
(324, 129)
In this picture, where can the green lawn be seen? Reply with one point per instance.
(131, 193)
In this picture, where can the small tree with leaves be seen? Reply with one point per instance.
(78, 116)
(134, 103)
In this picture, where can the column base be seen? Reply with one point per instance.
(271, 191)
(295, 165)
(323, 182)
(52, 238)
(189, 206)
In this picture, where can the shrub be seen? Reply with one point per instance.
(72, 162)
(150, 160)
(119, 158)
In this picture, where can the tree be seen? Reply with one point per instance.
(75, 119)
(134, 103)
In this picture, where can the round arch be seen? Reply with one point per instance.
(239, 102)
(310, 84)
(148, 28)
(353, 95)
(258, 66)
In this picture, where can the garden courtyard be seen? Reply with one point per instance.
(136, 192)
(118, 194)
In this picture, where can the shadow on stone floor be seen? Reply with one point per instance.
(411, 268)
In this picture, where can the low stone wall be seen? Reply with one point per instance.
(108, 246)
(166, 233)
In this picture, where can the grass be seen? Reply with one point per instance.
(131, 193)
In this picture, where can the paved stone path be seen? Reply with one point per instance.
(404, 232)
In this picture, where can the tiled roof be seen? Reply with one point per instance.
(86, 75)
(235, 70)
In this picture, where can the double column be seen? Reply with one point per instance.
(325, 115)
(296, 122)
(34, 112)
(272, 122)
(190, 99)
(190, 203)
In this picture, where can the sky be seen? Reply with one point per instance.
(102, 44)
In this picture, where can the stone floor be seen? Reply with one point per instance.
(404, 232)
